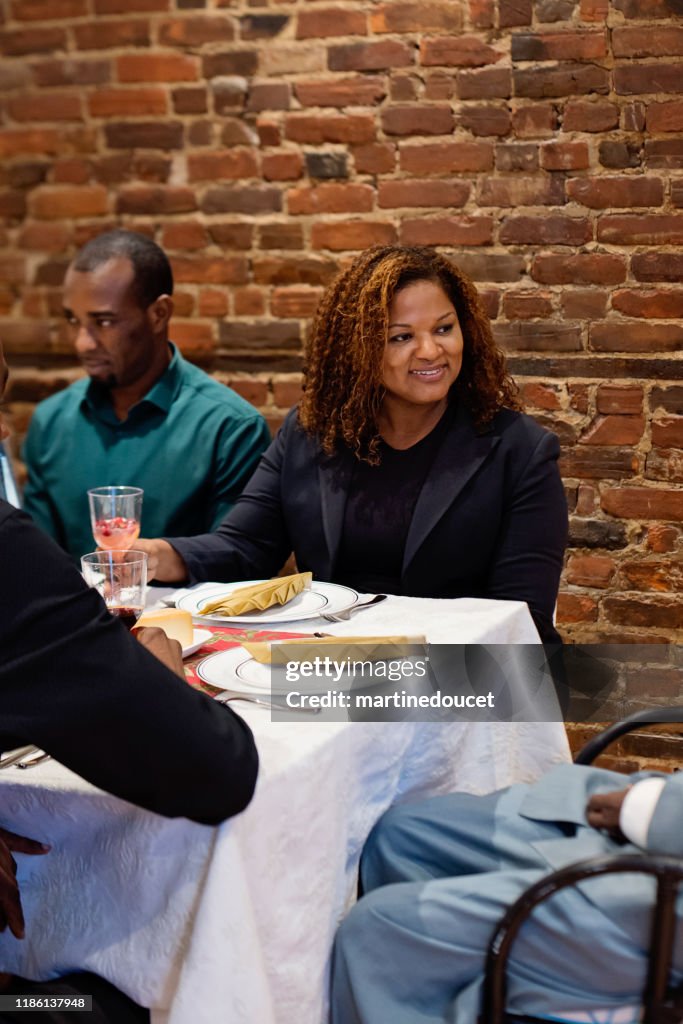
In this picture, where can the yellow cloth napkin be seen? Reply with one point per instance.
(258, 596)
(357, 648)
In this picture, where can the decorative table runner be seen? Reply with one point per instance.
(223, 639)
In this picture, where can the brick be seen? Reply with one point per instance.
(185, 234)
(55, 106)
(649, 305)
(249, 301)
(235, 132)
(222, 164)
(513, 156)
(662, 538)
(561, 80)
(308, 128)
(350, 235)
(578, 396)
(14, 75)
(12, 269)
(514, 12)
(668, 433)
(490, 302)
(209, 269)
(665, 464)
(482, 13)
(298, 59)
(490, 266)
(42, 237)
(130, 6)
(157, 67)
(447, 231)
(34, 10)
(665, 117)
(71, 72)
(295, 301)
(457, 51)
(212, 302)
(439, 86)
(521, 191)
(401, 17)
(590, 116)
(144, 134)
(235, 62)
(677, 193)
(596, 533)
(576, 608)
(103, 35)
(564, 156)
(633, 116)
(263, 26)
(548, 230)
(648, 41)
(639, 79)
(330, 21)
(148, 200)
(341, 92)
(586, 500)
(32, 40)
(404, 88)
(71, 172)
(254, 391)
(284, 166)
(269, 96)
(577, 44)
(280, 334)
(538, 337)
(331, 165)
(664, 153)
(231, 235)
(241, 199)
(643, 503)
(417, 119)
(485, 83)
(281, 236)
(229, 94)
(151, 167)
(599, 462)
(287, 392)
(378, 158)
(375, 56)
(189, 101)
(611, 191)
(196, 30)
(620, 399)
(615, 430)
(422, 192)
(580, 268)
(527, 305)
(620, 336)
(49, 202)
(127, 102)
(331, 198)
(299, 270)
(641, 229)
(667, 398)
(554, 10)
(541, 396)
(268, 132)
(193, 337)
(627, 611)
(446, 157)
(590, 571)
(532, 121)
(617, 154)
(485, 119)
(25, 338)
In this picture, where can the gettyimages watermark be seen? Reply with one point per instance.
(399, 681)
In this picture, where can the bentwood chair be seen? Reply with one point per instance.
(660, 1004)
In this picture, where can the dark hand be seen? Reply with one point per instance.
(157, 643)
(602, 812)
(10, 902)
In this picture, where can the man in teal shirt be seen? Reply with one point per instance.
(144, 416)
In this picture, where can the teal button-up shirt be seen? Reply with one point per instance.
(191, 443)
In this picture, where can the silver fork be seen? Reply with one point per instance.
(228, 695)
(343, 616)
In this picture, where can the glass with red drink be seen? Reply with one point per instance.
(121, 578)
(115, 516)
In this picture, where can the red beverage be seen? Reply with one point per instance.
(117, 534)
(128, 616)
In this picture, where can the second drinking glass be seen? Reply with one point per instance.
(115, 516)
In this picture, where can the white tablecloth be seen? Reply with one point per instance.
(234, 925)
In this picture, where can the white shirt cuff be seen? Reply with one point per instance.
(638, 808)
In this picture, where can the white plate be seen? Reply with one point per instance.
(319, 599)
(236, 670)
(199, 637)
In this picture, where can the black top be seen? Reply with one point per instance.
(76, 683)
(379, 507)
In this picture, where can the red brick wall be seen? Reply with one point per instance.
(538, 143)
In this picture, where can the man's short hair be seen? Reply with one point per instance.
(152, 275)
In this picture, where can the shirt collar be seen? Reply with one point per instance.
(161, 395)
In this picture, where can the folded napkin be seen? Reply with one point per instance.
(258, 596)
(357, 648)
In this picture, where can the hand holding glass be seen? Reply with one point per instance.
(115, 516)
(120, 577)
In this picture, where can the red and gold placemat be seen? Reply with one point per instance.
(223, 639)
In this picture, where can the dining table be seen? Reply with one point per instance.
(235, 924)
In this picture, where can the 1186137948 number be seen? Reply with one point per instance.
(46, 1002)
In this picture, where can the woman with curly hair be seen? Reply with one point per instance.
(408, 466)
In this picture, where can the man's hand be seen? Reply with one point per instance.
(157, 643)
(10, 902)
(163, 561)
(602, 812)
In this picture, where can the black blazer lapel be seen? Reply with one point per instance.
(334, 479)
(460, 455)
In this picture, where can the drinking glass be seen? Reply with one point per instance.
(115, 516)
(120, 577)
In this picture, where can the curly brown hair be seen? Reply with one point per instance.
(343, 376)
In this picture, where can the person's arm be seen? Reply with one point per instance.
(76, 683)
(36, 498)
(530, 552)
(239, 447)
